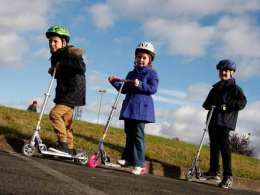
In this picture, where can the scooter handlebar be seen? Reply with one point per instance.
(123, 80)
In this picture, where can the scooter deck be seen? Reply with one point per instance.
(207, 179)
(62, 155)
(112, 164)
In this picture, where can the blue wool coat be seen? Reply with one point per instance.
(138, 103)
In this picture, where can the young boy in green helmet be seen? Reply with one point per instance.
(70, 89)
(229, 99)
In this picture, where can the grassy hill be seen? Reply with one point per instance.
(20, 124)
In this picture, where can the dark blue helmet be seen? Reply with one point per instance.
(226, 64)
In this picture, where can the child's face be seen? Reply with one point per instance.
(225, 74)
(56, 43)
(142, 59)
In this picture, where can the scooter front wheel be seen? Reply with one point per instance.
(93, 161)
(27, 150)
(144, 169)
(189, 176)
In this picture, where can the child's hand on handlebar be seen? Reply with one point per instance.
(110, 79)
(51, 70)
(136, 82)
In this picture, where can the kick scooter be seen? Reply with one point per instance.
(29, 149)
(195, 165)
(105, 160)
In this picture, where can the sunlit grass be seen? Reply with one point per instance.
(20, 124)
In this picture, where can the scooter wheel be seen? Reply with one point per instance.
(42, 147)
(144, 169)
(85, 156)
(189, 176)
(27, 150)
(92, 161)
(105, 160)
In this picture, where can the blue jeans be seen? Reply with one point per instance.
(134, 151)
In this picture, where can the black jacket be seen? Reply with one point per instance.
(32, 108)
(71, 82)
(232, 96)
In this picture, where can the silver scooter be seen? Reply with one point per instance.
(195, 165)
(29, 149)
(105, 160)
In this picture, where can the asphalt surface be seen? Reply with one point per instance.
(38, 175)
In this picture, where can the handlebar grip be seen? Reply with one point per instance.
(116, 80)
(130, 81)
(123, 80)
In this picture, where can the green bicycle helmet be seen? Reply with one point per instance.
(59, 31)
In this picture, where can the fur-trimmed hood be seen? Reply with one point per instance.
(78, 51)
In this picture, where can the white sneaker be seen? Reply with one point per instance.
(138, 170)
(123, 162)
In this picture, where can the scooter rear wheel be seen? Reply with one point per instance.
(93, 161)
(27, 150)
(105, 160)
(85, 156)
(189, 176)
(42, 147)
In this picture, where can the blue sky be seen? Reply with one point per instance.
(190, 38)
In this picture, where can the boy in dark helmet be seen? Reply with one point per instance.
(229, 99)
(70, 90)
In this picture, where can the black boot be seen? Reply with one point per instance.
(62, 147)
(72, 152)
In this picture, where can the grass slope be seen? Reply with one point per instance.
(20, 124)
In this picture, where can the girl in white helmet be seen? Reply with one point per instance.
(138, 107)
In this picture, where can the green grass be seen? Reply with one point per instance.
(20, 124)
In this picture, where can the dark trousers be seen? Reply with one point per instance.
(219, 142)
(134, 151)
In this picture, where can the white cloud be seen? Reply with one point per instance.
(11, 49)
(40, 39)
(42, 53)
(178, 8)
(17, 18)
(173, 93)
(181, 38)
(78, 21)
(239, 36)
(248, 68)
(169, 100)
(198, 92)
(79, 40)
(21, 16)
(251, 113)
(179, 26)
(24, 104)
(105, 109)
(102, 15)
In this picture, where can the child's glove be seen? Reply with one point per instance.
(222, 107)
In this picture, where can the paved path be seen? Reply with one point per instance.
(37, 175)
